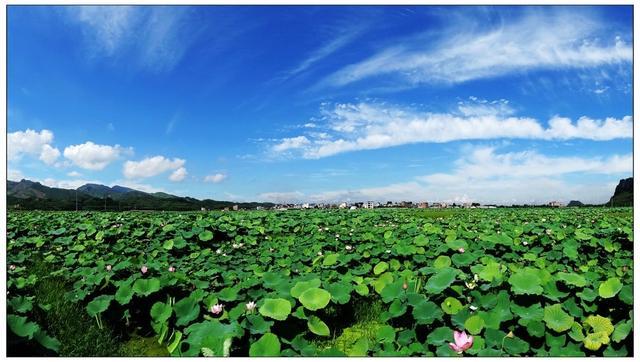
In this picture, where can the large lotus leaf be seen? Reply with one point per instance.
(593, 341)
(301, 287)
(599, 324)
(21, 326)
(527, 314)
(442, 261)
(525, 282)
(609, 288)
(187, 310)
(380, 268)
(492, 270)
(340, 292)
(317, 326)
(451, 305)
(572, 279)
(621, 331)
(515, 346)
(359, 348)
(626, 294)
(315, 298)
(146, 287)
(392, 291)
(99, 305)
(426, 312)
(47, 341)
(205, 235)
(267, 346)
(160, 312)
(441, 280)
(278, 309)
(21, 304)
(330, 259)
(439, 336)
(474, 324)
(213, 335)
(556, 318)
(382, 281)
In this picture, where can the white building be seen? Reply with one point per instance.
(369, 205)
(343, 205)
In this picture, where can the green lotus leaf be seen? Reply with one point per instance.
(267, 346)
(621, 331)
(317, 326)
(205, 235)
(451, 305)
(626, 294)
(160, 312)
(525, 282)
(386, 333)
(315, 298)
(146, 287)
(528, 314)
(21, 304)
(441, 280)
(609, 288)
(21, 326)
(599, 324)
(442, 261)
(187, 310)
(593, 341)
(301, 287)
(340, 292)
(47, 341)
(359, 348)
(99, 305)
(382, 281)
(124, 294)
(380, 268)
(439, 336)
(474, 324)
(330, 259)
(278, 309)
(556, 318)
(426, 312)
(572, 279)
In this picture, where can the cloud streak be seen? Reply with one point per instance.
(366, 126)
(484, 175)
(556, 39)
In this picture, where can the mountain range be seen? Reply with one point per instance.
(34, 195)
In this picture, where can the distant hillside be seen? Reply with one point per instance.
(574, 203)
(623, 195)
(29, 195)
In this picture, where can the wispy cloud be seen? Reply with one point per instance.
(365, 126)
(485, 175)
(340, 41)
(553, 39)
(215, 178)
(156, 37)
(152, 166)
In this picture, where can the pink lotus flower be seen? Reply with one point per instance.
(216, 308)
(144, 269)
(462, 342)
(171, 269)
(461, 250)
(109, 267)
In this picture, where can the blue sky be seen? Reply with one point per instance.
(301, 103)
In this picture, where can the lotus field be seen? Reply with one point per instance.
(388, 282)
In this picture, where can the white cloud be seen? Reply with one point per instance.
(483, 175)
(49, 154)
(151, 166)
(32, 143)
(281, 197)
(291, 143)
(14, 175)
(545, 40)
(74, 174)
(155, 38)
(91, 156)
(215, 178)
(178, 175)
(366, 126)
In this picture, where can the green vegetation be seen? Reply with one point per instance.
(522, 282)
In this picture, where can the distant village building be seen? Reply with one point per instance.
(235, 207)
(555, 204)
(369, 205)
(423, 205)
(343, 205)
(353, 207)
(203, 209)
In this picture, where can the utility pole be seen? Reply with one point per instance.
(76, 200)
